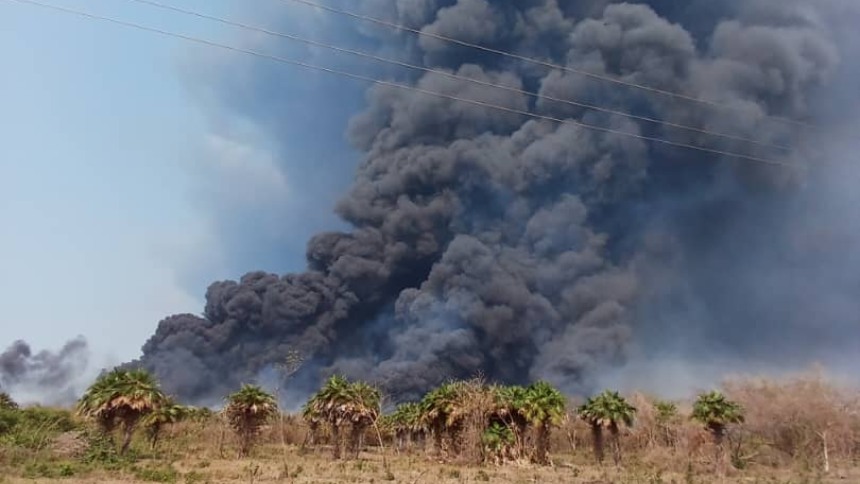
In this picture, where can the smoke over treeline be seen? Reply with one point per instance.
(487, 241)
(46, 376)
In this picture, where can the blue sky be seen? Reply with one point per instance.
(136, 169)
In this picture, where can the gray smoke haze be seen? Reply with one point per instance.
(47, 377)
(486, 241)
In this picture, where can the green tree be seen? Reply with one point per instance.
(498, 438)
(167, 414)
(716, 412)
(608, 410)
(199, 414)
(7, 403)
(666, 415)
(510, 401)
(405, 423)
(443, 411)
(363, 412)
(121, 398)
(8, 413)
(542, 406)
(340, 403)
(247, 411)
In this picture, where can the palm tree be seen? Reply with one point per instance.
(497, 439)
(326, 406)
(199, 414)
(6, 402)
(443, 412)
(340, 402)
(542, 406)
(168, 413)
(312, 416)
(362, 412)
(246, 411)
(509, 408)
(121, 397)
(607, 411)
(716, 412)
(667, 413)
(405, 423)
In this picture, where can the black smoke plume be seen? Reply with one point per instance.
(488, 241)
(47, 377)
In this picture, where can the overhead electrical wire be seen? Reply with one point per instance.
(530, 60)
(404, 87)
(449, 75)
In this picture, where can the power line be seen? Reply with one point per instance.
(530, 60)
(407, 65)
(358, 77)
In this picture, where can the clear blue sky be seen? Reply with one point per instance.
(128, 181)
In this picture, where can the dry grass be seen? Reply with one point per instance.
(270, 465)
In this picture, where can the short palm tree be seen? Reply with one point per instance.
(716, 412)
(6, 402)
(327, 406)
(510, 401)
(542, 406)
(121, 397)
(167, 414)
(442, 413)
(340, 402)
(666, 415)
(405, 423)
(362, 412)
(247, 411)
(199, 414)
(498, 439)
(608, 410)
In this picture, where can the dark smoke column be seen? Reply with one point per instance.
(487, 241)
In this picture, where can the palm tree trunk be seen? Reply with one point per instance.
(597, 440)
(542, 444)
(311, 436)
(153, 436)
(355, 438)
(335, 436)
(128, 433)
(438, 439)
(719, 433)
(245, 443)
(221, 440)
(616, 443)
(520, 427)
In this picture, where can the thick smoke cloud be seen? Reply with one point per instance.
(492, 242)
(48, 377)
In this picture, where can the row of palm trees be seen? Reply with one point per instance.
(504, 422)
(126, 400)
(487, 423)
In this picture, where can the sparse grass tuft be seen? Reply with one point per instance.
(156, 473)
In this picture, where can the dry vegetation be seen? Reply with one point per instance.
(798, 430)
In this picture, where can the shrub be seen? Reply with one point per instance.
(156, 474)
(52, 470)
(34, 427)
